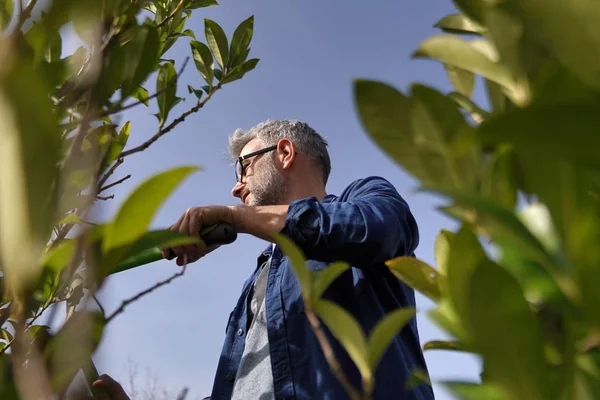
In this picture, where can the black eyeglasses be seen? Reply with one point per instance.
(239, 163)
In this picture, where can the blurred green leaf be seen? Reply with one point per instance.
(83, 332)
(6, 13)
(461, 54)
(54, 49)
(324, 278)
(239, 71)
(566, 132)
(166, 84)
(242, 36)
(465, 254)
(345, 329)
(204, 60)
(29, 156)
(193, 4)
(71, 218)
(141, 94)
(298, 261)
(473, 9)
(217, 41)
(439, 133)
(459, 24)
(452, 345)
(418, 275)
(442, 249)
(462, 80)
(384, 332)
(477, 113)
(475, 391)
(141, 58)
(514, 357)
(139, 208)
(575, 49)
(499, 180)
(496, 97)
(385, 115)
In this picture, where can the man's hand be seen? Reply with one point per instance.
(112, 388)
(191, 222)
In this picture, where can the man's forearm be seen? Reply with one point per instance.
(260, 221)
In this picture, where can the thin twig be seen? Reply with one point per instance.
(99, 304)
(125, 303)
(145, 99)
(112, 196)
(111, 171)
(168, 17)
(170, 127)
(330, 356)
(114, 183)
(26, 13)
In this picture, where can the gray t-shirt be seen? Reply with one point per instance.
(254, 379)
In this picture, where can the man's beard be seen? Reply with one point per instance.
(270, 188)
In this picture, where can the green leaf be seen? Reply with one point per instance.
(118, 144)
(452, 345)
(324, 278)
(473, 9)
(418, 275)
(160, 239)
(141, 94)
(349, 333)
(193, 4)
(500, 178)
(242, 36)
(465, 254)
(6, 12)
(496, 97)
(204, 60)
(441, 136)
(217, 41)
(303, 274)
(30, 151)
(442, 249)
(461, 54)
(197, 92)
(71, 218)
(239, 71)
(475, 391)
(514, 357)
(384, 332)
(477, 113)
(166, 84)
(574, 49)
(463, 81)
(567, 132)
(139, 208)
(385, 115)
(459, 24)
(57, 258)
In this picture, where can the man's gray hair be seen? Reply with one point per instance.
(305, 138)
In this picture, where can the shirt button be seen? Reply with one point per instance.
(240, 332)
(229, 378)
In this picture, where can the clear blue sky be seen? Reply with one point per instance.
(310, 51)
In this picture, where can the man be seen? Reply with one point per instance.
(270, 350)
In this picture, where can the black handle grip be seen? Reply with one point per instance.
(222, 233)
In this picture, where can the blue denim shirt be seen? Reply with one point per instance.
(366, 225)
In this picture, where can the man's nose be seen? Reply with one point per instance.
(237, 189)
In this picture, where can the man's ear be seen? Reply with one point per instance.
(286, 152)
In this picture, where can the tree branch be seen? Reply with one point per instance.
(137, 103)
(172, 125)
(112, 196)
(26, 12)
(168, 17)
(145, 292)
(111, 171)
(114, 183)
(330, 356)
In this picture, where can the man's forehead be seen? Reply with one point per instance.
(252, 145)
